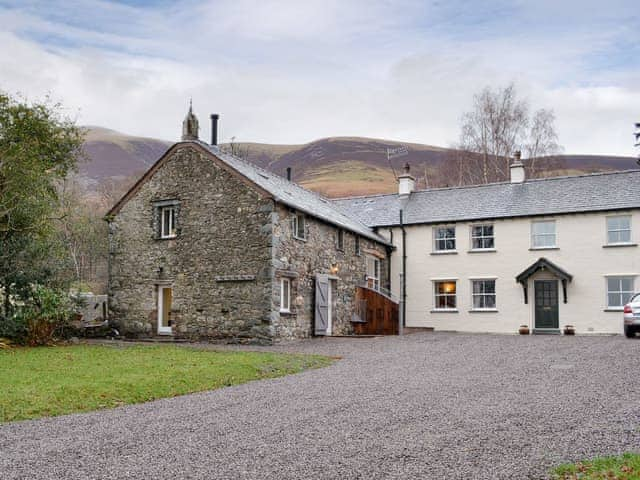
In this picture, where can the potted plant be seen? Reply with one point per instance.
(569, 330)
(523, 330)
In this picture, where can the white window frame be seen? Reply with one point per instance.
(299, 218)
(436, 239)
(171, 211)
(618, 230)
(285, 301)
(483, 237)
(619, 292)
(483, 294)
(445, 295)
(373, 275)
(534, 235)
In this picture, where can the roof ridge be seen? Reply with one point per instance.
(492, 184)
(214, 149)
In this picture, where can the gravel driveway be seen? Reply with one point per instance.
(422, 406)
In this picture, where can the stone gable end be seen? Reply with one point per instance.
(219, 264)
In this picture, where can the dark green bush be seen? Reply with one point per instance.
(40, 319)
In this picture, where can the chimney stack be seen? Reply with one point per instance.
(214, 128)
(406, 182)
(517, 168)
(289, 173)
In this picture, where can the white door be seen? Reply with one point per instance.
(165, 296)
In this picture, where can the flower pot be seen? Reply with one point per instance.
(569, 330)
(523, 330)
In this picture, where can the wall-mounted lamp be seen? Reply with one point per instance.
(334, 269)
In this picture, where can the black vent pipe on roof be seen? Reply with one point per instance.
(214, 128)
(289, 173)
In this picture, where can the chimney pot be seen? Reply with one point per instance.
(289, 173)
(516, 169)
(406, 182)
(214, 128)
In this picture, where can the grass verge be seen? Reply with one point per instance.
(49, 381)
(625, 467)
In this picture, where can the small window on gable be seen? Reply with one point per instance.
(619, 230)
(285, 295)
(168, 221)
(340, 240)
(357, 246)
(299, 230)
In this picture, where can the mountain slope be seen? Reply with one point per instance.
(113, 154)
(336, 166)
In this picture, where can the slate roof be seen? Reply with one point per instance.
(550, 196)
(295, 196)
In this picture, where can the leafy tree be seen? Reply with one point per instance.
(38, 149)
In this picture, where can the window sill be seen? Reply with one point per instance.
(287, 313)
(299, 238)
(167, 238)
(444, 310)
(544, 248)
(614, 309)
(616, 245)
(481, 250)
(445, 252)
(483, 310)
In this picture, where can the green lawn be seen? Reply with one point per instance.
(626, 467)
(48, 381)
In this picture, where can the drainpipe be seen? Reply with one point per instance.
(403, 277)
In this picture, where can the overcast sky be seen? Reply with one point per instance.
(294, 71)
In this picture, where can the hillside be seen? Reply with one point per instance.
(115, 155)
(336, 167)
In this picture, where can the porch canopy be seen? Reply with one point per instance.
(542, 264)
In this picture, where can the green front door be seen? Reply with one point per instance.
(546, 307)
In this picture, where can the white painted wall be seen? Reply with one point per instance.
(580, 240)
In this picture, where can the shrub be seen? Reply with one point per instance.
(14, 327)
(41, 319)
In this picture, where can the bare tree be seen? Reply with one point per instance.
(637, 135)
(236, 149)
(542, 143)
(498, 125)
(83, 233)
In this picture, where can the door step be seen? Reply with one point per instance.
(546, 331)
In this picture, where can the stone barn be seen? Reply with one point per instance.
(208, 246)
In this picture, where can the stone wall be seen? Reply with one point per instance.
(301, 260)
(219, 265)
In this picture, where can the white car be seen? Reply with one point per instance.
(632, 316)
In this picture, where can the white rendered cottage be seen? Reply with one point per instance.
(546, 253)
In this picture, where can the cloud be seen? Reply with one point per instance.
(290, 72)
